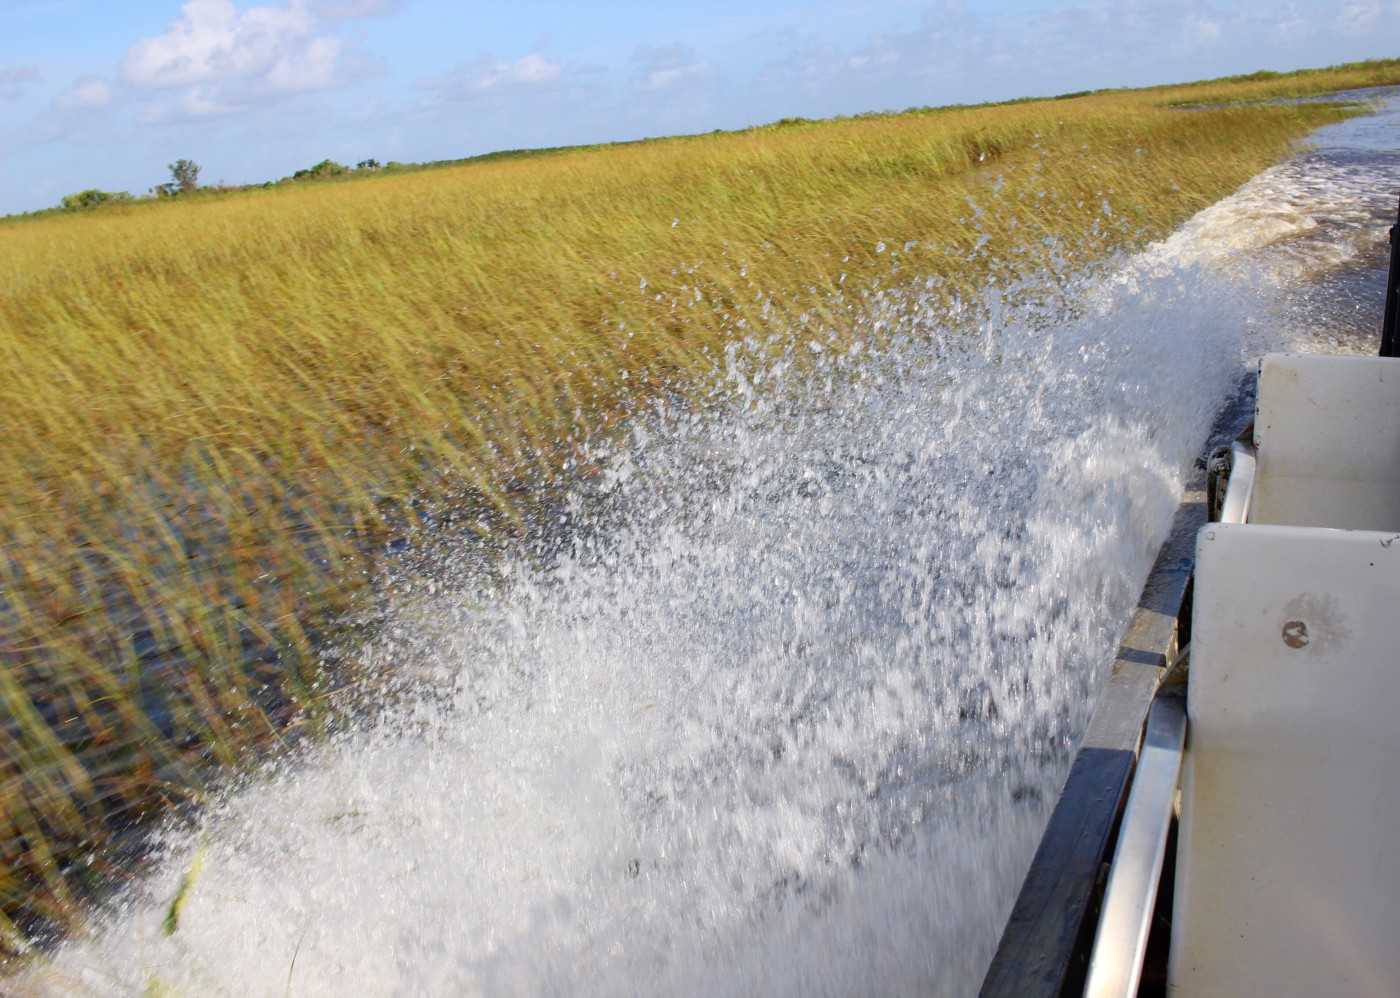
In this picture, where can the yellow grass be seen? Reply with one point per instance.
(220, 411)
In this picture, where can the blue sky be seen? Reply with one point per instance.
(106, 93)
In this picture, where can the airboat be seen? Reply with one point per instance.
(1231, 822)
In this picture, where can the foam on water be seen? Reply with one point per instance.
(786, 707)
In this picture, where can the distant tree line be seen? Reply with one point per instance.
(184, 180)
(329, 168)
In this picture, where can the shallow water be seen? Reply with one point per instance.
(785, 705)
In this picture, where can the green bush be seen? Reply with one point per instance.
(91, 198)
(322, 170)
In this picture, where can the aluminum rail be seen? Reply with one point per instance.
(1390, 323)
(1115, 968)
(1240, 492)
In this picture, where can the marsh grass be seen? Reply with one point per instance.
(223, 415)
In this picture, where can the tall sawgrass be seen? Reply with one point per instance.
(223, 415)
(1266, 85)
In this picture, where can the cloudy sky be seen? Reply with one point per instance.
(106, 93)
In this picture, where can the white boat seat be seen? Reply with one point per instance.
(1288, 862)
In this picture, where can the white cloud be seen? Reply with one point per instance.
(13, 79)
(86, 93)
(1289, 25)
(221, 58)
(669, 67)
(487, 76)
(1207, 31)
(192, 105)
(348, 10)
(532, 70)
(955, 53)
(313, 69)
(949, 43)
(213, 41)
(1356, 18)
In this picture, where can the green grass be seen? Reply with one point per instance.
(223, 409)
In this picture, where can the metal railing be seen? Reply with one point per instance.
(1239, 494)
(1115, 966)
